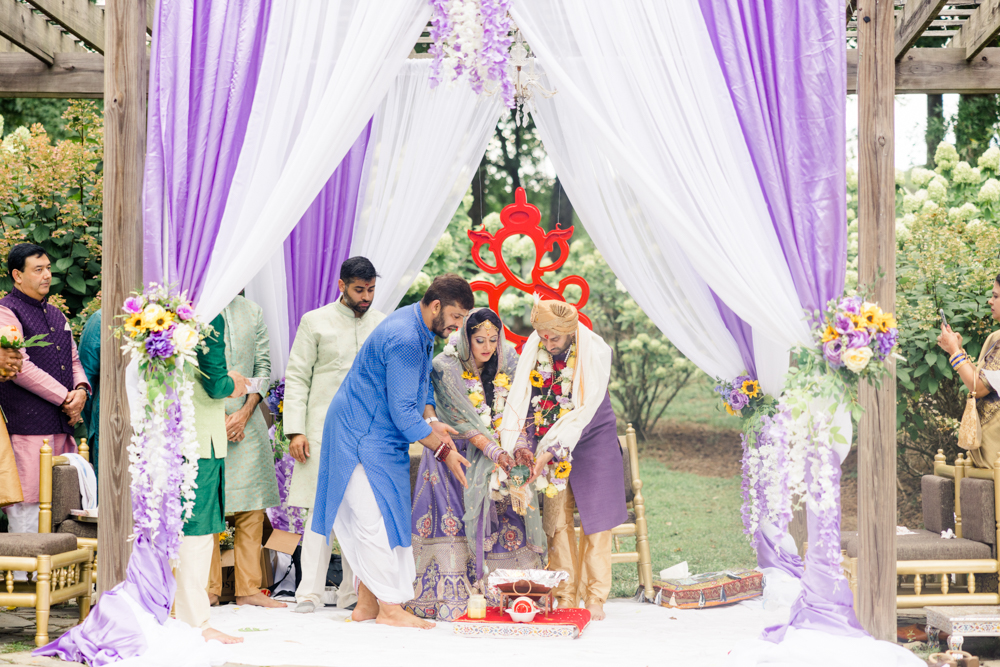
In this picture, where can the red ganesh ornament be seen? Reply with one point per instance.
(523, 218)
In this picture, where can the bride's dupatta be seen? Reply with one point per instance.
(455, 409)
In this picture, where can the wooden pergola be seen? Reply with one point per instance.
(78, 49)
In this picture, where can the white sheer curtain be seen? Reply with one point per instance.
(638, 247)
(425, 146)
(327, 65)
(269, 289)
(642, 79)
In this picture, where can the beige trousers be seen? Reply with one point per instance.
(246, 545)
(191, 603)
(588, 564)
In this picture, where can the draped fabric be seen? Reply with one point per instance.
(425, 147)
(203, 74)
(327, 65)
(644, 79)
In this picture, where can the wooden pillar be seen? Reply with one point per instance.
(877, 256)
(124, 151)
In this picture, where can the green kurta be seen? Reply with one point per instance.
(212, 386)
(251, 483)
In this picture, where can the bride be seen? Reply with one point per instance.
(459, 536)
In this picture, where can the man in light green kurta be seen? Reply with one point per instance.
(325, 345)
(251, 483)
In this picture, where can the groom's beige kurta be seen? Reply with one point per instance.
(325, 345)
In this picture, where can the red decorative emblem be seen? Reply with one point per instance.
(523, 218)
(523, 606)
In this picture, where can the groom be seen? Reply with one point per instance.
(386, 402)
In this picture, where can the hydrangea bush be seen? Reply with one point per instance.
(948, 238)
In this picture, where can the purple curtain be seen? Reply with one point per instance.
(785, 66)
(321, 240)
(203, 71)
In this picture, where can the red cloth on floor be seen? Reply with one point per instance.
(578, 617)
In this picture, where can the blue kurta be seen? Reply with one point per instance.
(375, 415)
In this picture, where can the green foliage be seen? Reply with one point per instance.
(52, 194)
(26, 111)
(948, 235)
(975, 123)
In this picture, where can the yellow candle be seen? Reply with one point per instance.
(477, 606)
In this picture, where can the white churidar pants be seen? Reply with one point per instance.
(22, 518)
(191, 603)
(315, 562)
(388, 573)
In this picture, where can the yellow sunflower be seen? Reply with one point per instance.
(281, 406)
(731, 411)
(886, 322)
(551, 491)
(476, 399)
(134, 325)
(501, 380)
(563, 469)
(870, 314)
(155, 318)
(751, 388)
(536, 379)
(466, 375)
(538, 418)
(830, 334)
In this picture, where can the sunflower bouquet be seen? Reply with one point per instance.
(159, 328)
(742, 397)
(856, 338)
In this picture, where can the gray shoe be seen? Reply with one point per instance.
(305, 607)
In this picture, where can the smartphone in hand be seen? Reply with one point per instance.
(944, 320)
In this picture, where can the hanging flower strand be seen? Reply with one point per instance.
(472, 38)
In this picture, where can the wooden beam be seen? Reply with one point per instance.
(79, 17)
(876, 601)
(121, 269)
(915, 17)
(71, 75)
(980, 30)
(7, 46)
(937, 71)
(33, 33)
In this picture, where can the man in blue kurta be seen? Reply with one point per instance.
(385, 403)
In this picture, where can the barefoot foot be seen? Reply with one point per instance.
(394, 615)
(367, 606)
(211, 633)
(259, 600)
(596, 610)
(213, 599)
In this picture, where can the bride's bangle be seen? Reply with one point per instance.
(965, 360)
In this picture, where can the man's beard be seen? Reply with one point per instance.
(356, 306)
(562, 350)
(437, 326)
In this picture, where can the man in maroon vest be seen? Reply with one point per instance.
(45, 399)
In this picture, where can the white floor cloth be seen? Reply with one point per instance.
(633, 634)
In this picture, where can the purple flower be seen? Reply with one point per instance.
(850, 304)
(132, 305)
(738, 400)
(858, 338)
(159, 345)
(832, 351)
(885, 342)
(842, 324)
(185, 311)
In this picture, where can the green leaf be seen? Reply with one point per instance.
(931, 358)
(39, 234)
(933, 385)
(64, 263)
(77, 283)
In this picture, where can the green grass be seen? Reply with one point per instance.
(698, 403)
(16, 647)
(690, 518)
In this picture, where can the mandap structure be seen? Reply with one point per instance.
(79, 49)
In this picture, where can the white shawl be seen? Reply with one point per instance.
(590, 384)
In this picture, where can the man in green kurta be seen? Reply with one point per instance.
(213, 383)
(251, 483)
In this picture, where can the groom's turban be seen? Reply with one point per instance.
(557, 316)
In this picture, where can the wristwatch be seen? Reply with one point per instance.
(431, 420)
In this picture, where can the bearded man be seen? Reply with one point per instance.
(570, 421)
(385, 403)
(325, 345)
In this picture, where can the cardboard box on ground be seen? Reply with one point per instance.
(272, 540)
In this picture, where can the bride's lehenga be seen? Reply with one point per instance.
(461, 534)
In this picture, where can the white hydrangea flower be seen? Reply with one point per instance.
(936, 191)
(921, 177)
(900, 177)
(851, 215)
(909, 219)
(852, 178)
(913, 202)
(964, 173)
(1, 126)
(990, 192)
(945, 157)
(17, 140)
(990, 159)
(966, 211)
(929, 206)
(973, 224)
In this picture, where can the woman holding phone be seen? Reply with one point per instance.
(988, 401)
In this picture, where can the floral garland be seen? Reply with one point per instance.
(472, 37)
(284, 516)
(555, 379)
(160, 332)
(855, 332)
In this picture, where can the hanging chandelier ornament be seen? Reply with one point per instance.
(526, 78)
